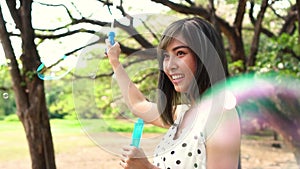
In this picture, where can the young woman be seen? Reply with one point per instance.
(206, 135)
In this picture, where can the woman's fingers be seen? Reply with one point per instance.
(123, 164)
(112, 51)
(133, 152)
(107, 43)
(133, 158)
(128, 151)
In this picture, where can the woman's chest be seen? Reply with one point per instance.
(184, 152)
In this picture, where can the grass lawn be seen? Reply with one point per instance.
(13, 143)
(74, 149)
(67, 134)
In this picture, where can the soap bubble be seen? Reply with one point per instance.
(90, 99)
(5, 96)
(269, 101)
(57, 69)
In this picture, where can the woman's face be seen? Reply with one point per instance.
(179, 65)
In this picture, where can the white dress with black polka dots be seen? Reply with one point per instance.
(185, 152)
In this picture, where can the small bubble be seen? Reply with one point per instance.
(92, 75)
(5, 95)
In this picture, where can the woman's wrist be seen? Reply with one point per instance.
(115, 64)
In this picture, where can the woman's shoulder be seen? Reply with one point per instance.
(180, 111)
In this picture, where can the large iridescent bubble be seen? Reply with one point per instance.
(94, 86)
(268, 101)
(89, 89)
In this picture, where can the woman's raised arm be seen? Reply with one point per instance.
(134, 98)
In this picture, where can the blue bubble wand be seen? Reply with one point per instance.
(137, 133)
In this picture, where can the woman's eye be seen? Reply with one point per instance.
(180, 53)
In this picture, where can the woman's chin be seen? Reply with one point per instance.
(180, 89)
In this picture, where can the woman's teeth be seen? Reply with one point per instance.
(174, 77)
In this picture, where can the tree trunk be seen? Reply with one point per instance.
(37, 127)
(29, 89)
(275, 136)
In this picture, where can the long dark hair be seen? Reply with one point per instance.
(206, 44)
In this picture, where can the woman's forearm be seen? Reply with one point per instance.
(131, 94)
(133, 97)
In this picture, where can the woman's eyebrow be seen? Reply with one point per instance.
(178, 47)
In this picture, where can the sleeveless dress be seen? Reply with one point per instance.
(188, 151)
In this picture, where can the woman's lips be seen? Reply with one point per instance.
(177, 78)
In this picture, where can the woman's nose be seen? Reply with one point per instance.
(172, 63)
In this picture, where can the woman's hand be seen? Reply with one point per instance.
(135, 158)
(113, 52)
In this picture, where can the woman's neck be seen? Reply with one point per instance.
(192, 101)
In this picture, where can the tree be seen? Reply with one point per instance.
(28, 88)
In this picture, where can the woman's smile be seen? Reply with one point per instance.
(176, 78)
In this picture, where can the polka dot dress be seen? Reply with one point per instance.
(186, 152)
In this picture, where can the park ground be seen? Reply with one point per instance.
(77, 151)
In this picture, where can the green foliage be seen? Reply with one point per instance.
(115, 125)
(231, 1)
(7, 101)
(107, 100)
(273, 58)
(11, 117)
(59, 98)
(234, 67)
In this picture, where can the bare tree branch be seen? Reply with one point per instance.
(135, 34)
(149, 29)
(184, 9)
(190, 2)
(257, 31)
(129, 29)
(235, 41)
(67, 54)
(290, 51)
(58, 5)
(289, 25)
(10, 55)
(275, 13)
(120, 97)
(253, 21)
(108, 74)
(145, 77)
(15, 13)
(298, 17)
(89, 77)
(65, 34)
(239, 16)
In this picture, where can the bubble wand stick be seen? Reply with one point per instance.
(111, 35)
(139, 124)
